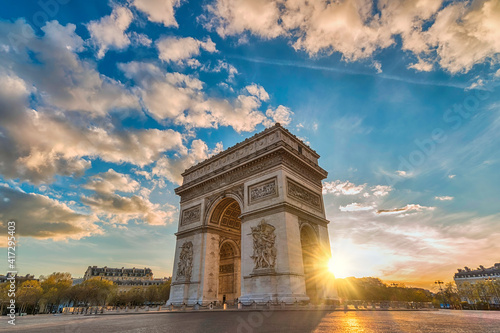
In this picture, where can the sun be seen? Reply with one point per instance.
(338, 268)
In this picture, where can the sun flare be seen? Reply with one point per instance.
(338, 268)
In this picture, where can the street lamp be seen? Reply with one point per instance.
(440, 283)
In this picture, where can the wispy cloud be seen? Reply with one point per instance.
(299, 64)
(405, 209)
(443, 198)
(356, 207)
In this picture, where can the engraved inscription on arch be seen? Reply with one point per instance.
(303, 194)
(263, 190)
(191, 215)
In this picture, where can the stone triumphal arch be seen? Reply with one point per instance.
(252, 225)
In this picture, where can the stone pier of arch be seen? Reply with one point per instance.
(252, 226)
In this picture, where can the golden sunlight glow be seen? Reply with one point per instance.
(339, 268)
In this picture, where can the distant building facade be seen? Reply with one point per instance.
(125, 278)
(19, 278)
(77, 281)
(118, 274)
(490, 283)
(126, 285)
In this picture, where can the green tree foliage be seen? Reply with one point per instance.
(55, 289)
(156, 294)
(479, 295)
(373, 289)
(28, 295)
(4, 296)
(94, 291)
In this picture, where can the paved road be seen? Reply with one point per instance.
(249, 322)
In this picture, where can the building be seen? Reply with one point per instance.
(126, 285)
(125, 278)
(76, 281)
(118, 274)
(479, 285)
(18, 278)
(252, 226)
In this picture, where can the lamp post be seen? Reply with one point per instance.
(440, 283)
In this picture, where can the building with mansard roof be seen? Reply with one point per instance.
(489, 277)
(118, 274)
(125, 278)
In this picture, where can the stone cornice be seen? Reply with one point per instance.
(205, 229)
(252, 147)
(285, 207)
(275, 155)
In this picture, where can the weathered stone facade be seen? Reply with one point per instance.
(244, 211)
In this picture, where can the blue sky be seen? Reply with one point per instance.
(104, 104)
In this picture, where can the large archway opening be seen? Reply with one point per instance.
(227, 216)
(310, 253)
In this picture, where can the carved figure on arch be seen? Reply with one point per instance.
(264, 251)
(185, 265)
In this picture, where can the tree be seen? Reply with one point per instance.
(94, 291)
(451, 294)
(55, 289)
(4, 296)
(28, 295)
(373, 289)
(152, 294)
(136, 296)
(164, 291)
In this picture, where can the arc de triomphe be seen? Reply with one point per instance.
(252, 225)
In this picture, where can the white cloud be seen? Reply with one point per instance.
(444, 198)
(159, 11)
(465, 34)
(456, 35)
(109, 31)
(338, 187)
(478, 84)
(181, 50)
(222, 65)
(281, 114)
(181, 98)
(112, 181)
(64, 81)
(356, 207)
(230, 17)
(140, 39)
(171, 168)
(41, 217)
(381, 190)
(405, 209)
(422, 66)
(35, 145)
(403, 173)
(258, 91)
(451, 176)
(58, 146)
(121, 209)
(164, 95)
